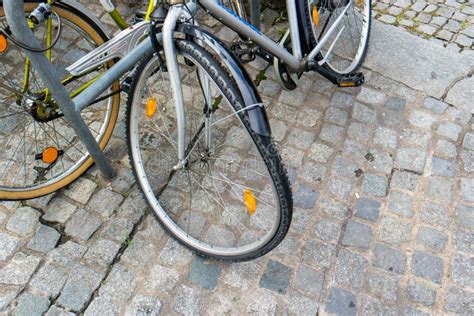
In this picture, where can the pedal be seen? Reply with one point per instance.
(244, 51)
(351, 80)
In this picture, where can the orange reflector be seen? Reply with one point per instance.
(151, 107)
(250, 202)
(315, 16)
(3, 43)
(347, 84)
(50, 155)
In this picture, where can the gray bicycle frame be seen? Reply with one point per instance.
(72, 108)
(294, 60)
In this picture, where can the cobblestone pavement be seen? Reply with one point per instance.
(447, 22)
(383, 181)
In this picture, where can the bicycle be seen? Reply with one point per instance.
(207, 166)
(251, 179)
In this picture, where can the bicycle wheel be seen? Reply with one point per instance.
(231, 200)
(40, 151)
(351, 38)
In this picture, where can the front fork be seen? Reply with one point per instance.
(176, 13)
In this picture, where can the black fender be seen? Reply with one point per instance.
(257, 115)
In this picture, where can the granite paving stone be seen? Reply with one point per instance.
(30, 304)
(19, 270)
(357, 235)
(341, 302)
(420, 293)
(432, 238)
(427, 266)
(45, 239)
(9, 245)
(276, 277)
(82, 225)
(351, 269)
(389, 259)
(204, 273)
(383, 285)
(24, 221)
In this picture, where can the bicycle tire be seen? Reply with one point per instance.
(196, 241)
(361, 53)
(94, 36)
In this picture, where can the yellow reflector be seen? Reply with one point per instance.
(346, 84)
(151, 107)
(3, 43)
(315, 16)
(50, 155)
(250, 202)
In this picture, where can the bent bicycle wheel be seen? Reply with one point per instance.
(231, 200)
(346, 48)
(40, 152)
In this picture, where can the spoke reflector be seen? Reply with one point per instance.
(315, 16)
(50, 155)
(151, 107)
(250, 202)
(3, 43)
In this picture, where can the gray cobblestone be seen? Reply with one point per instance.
(351, 269)
(58, 311)
(144, 305)
(401, 204)
(81, 190)
(332, 134)
(468, 141)
(341, 302)
(101, 306)
(308, 279)
(367, 209)
(301, 305)
(204, 273)
(404, 180)
(105, 202)
(385, 137)
(9, 245)
(300, 138)
(82, 225)
(59, 211)
(434, 214)
(449, 130)
(446, 148)
(459, 301)
(396, 103)
(32, 305)
(467, 189)
(383, 286)
(420, 293)
(328, 230)
(375, 185)
(439, 189)
(370, 96)
(318, 254)
(442, 167)
(435, 105)
(411, 159)
(45, 239)
(187, 301)
(336, 116)
(305, 197)
(357, 235)
(427, 266)
(389, 259)
(74, 296)
(467, 158)
(24, 221)
(320, 152)
(102, 252)
(19, 270)
(432, 238)
(49, 280)
(118, 285)
(461, 270)
(465, 216)
(276, 277)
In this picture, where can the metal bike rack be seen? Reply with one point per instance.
(255, 13)
(16, 20)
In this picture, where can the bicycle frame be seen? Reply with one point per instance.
(294, 61)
